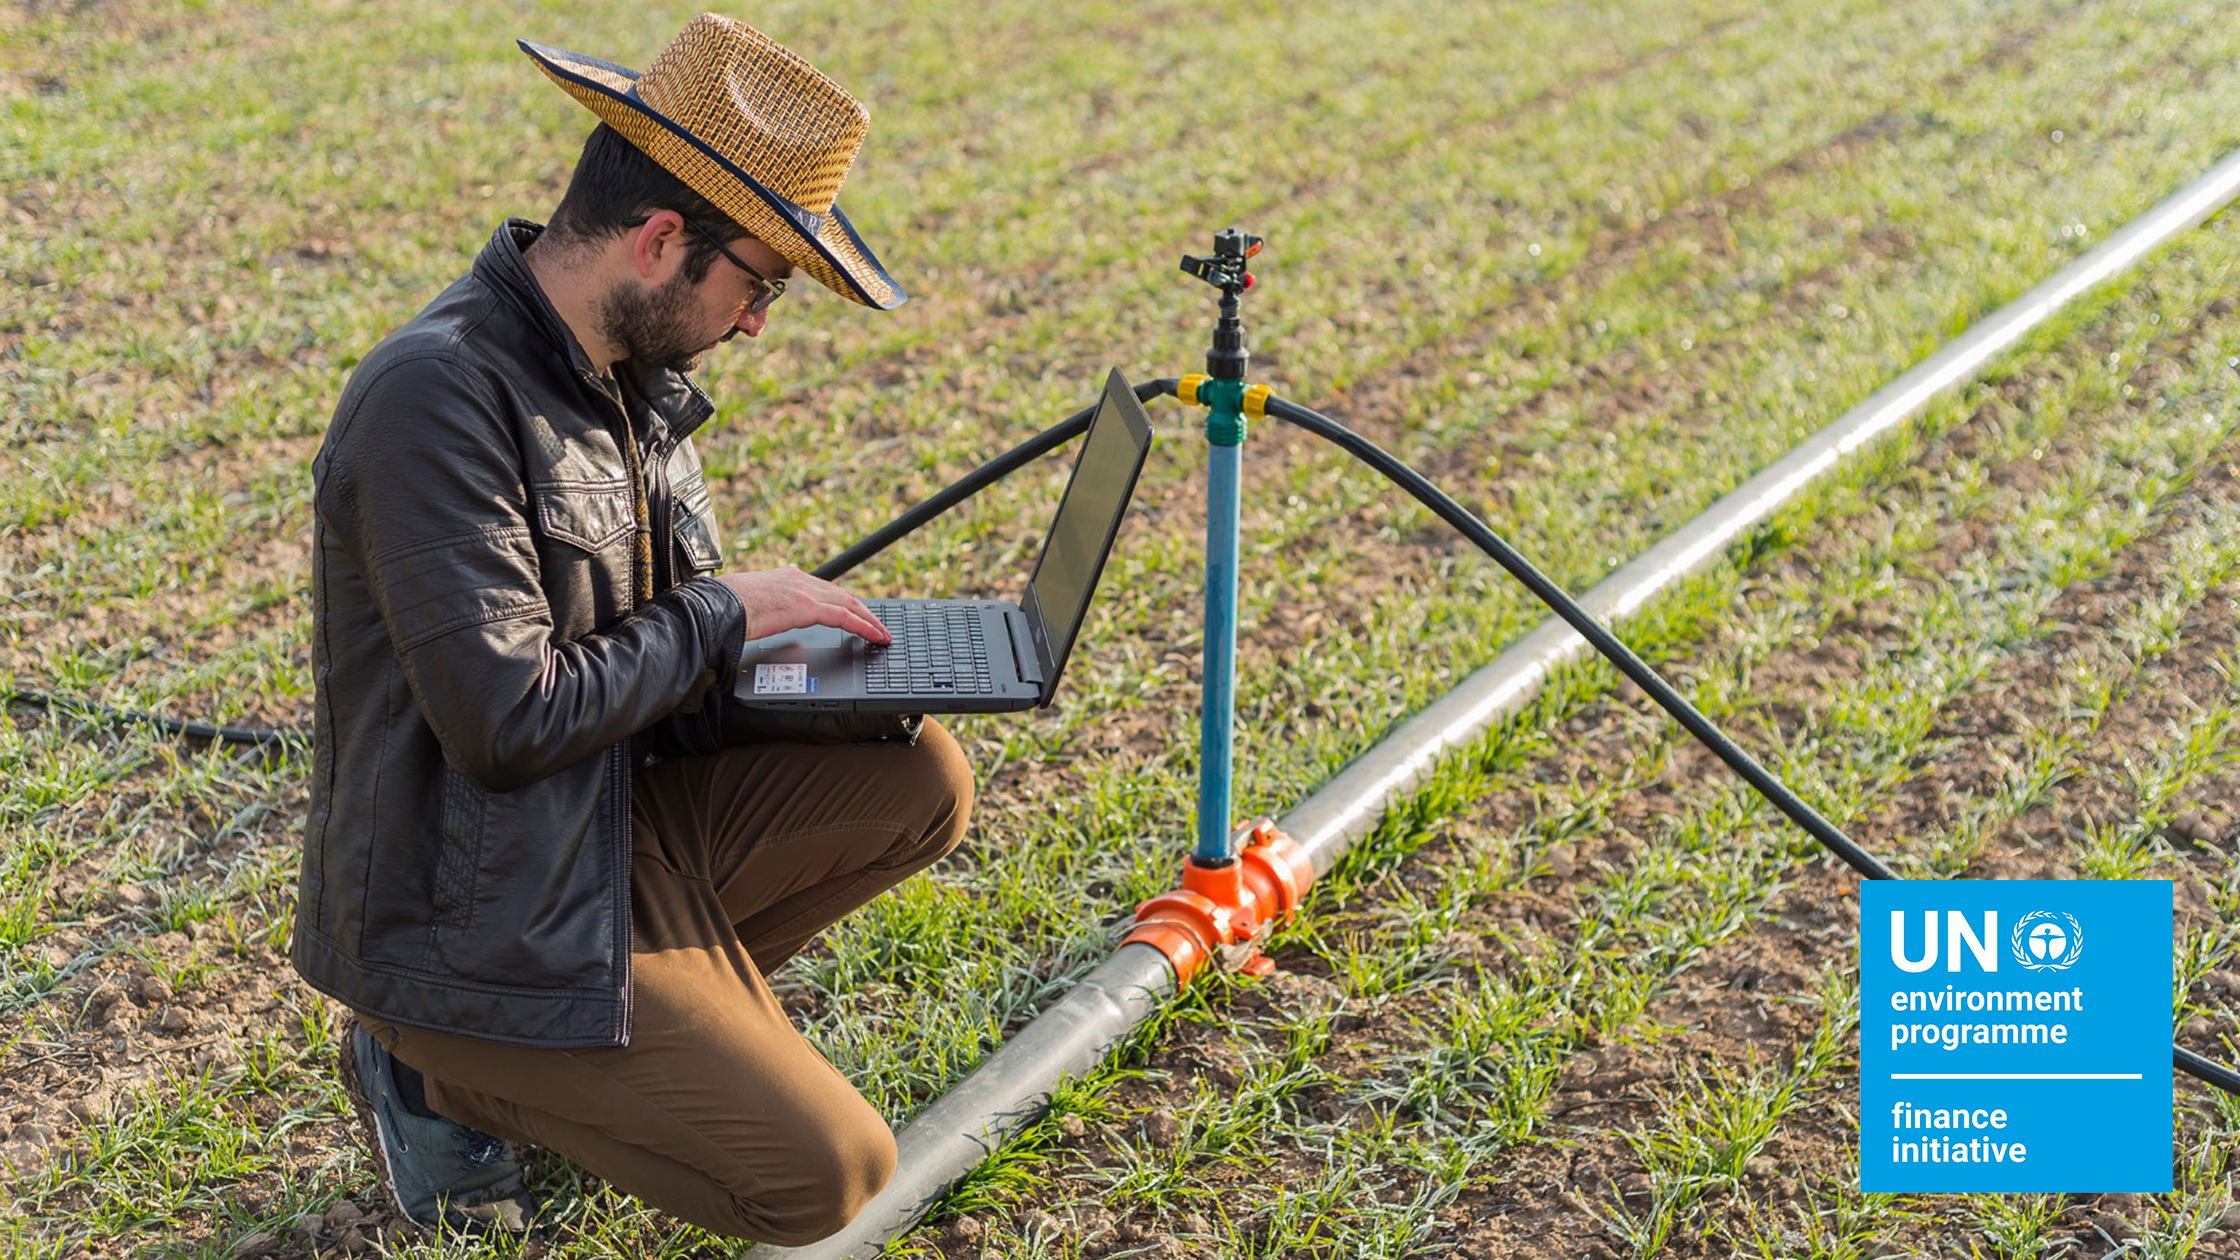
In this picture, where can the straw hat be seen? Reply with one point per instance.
(756, 130)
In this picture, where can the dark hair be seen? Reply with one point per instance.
(615, 181)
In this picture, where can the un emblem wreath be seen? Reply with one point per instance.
(2054, 949)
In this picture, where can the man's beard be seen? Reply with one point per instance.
(655, 329)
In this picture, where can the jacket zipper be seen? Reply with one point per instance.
(629, 444)
(664, 520)
(663, 565)
(622, 787)
(663, 525)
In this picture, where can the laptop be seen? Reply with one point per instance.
(973, 655)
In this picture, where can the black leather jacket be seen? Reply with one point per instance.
(488, 676)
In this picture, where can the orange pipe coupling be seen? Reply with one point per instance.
(1221, 911)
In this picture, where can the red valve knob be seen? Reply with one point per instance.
(1248, 280)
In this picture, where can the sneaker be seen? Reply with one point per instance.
(444, 1175)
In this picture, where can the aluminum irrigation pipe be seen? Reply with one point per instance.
(1348, 805)
(1013, 1087)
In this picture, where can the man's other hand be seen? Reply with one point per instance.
(784, 599)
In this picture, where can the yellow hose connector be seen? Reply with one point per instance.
(1256, 401)
(1186, 389)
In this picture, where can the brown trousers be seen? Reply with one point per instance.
(718, 1111)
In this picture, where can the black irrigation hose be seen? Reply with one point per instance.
(1602, 640)
(255, 736)
(977, 480)
(2205, 1069)
(1634, 668)
(971, 484)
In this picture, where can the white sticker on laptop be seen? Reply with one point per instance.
(781, 680)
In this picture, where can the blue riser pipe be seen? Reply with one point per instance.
(1220, 685)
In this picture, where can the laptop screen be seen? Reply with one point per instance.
(1088, 517)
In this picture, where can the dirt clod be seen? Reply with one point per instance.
(1161, 1128)
(2112, 1224)
(92, 1107)
(105, 1010)
(24, 1155)
(2192, 826)
(342, 1215)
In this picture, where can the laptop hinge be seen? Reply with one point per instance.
(1022, 646)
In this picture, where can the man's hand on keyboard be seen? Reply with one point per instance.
(784, 599)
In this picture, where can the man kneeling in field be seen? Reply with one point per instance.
(549, 863)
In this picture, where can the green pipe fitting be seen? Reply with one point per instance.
(1225, 424)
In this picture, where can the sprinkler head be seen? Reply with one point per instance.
(1230, 243)
(1224, 267)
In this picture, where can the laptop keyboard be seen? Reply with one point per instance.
(936, 649)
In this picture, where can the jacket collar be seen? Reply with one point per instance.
(502, 266)
(679, 404)
(672, 396)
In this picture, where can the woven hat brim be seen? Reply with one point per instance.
(825, 246)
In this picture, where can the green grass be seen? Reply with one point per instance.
(1590, 269)
(1961, 623)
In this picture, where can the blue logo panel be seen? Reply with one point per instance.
(2014, 1035)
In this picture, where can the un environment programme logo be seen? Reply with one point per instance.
(2029, 1069)
(2041, 943)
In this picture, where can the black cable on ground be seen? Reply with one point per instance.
(970, 484)
(977, 480)
(254, 736)
(1634, 668)
(2205, 1069)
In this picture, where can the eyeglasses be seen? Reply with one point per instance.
(767, 290)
